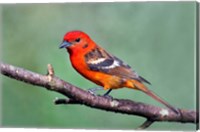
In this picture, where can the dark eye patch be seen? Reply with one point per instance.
(77, 40)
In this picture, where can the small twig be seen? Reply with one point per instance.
(146, 124)
(50, 70)
(65, 101)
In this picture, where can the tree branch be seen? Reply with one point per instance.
(79, 96)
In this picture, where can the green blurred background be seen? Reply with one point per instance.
(156, 38)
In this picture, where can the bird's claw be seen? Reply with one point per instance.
(108, 96)
(91, 91)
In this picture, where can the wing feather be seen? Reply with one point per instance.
(99, 60)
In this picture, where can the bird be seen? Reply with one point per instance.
(102, 68)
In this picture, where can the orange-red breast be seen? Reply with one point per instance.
(102, 68)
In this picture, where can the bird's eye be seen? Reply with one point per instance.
(77, 40)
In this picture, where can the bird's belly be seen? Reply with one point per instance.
(105, 80)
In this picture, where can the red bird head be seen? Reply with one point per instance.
(76, 41)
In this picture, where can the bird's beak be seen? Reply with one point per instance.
(64, 44)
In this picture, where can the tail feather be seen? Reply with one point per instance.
(143, 88)
(159, 99)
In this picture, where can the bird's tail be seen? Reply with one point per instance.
(139, 86)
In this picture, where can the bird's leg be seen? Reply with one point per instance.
(93, 90)
(107, 94)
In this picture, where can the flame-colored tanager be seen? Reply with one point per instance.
(102, 68)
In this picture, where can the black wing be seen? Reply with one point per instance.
(99, 60)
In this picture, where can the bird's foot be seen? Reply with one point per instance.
(108, 96)
(107, 93)
(93, 90)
